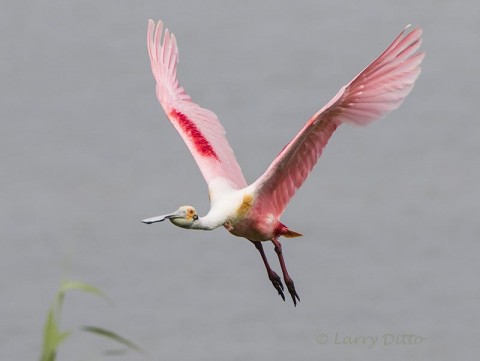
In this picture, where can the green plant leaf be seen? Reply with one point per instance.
(81, 286)
(52, 337)
(113, 336)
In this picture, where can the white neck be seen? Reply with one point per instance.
(207, 223)
(223, 207)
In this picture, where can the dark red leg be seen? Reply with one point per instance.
(286, 276)
(274, 278)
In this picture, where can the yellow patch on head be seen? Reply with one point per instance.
(190, 214)
(245, 206)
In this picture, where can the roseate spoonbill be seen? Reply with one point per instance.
(253, 211)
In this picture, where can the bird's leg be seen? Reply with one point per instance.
(286, 276)
(273, 277)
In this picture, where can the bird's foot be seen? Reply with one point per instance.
(277, 283)
(291, 290)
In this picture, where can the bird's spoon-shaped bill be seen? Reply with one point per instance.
(176, 214)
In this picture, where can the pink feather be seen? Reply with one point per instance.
(199, 127)
(380, 88)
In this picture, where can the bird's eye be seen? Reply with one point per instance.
(195, 217)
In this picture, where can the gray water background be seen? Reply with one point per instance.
(390, 215)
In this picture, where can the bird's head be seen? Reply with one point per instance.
(184, 217)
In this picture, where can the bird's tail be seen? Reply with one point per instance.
(292, 234)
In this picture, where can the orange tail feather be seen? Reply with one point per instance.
(292, 234)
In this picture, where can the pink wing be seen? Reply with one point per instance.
(199, 127)
(372, 94)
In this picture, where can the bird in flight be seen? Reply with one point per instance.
(253, 211)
